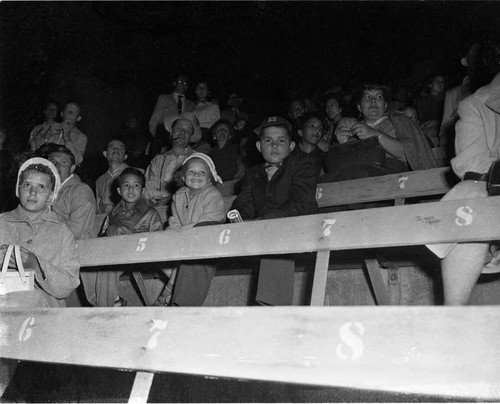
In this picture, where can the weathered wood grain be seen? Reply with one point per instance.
(427, 350)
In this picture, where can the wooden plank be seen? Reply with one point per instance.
(319, 281)
(139, 281)
(141, 388)
(448, 351)
(418, 224)
(379, 289)
(403, 185)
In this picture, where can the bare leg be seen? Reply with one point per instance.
(461, 269)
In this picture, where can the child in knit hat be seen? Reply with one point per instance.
(198, 202)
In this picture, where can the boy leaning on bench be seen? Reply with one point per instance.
(283, 186)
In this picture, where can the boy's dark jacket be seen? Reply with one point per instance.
(291, 191)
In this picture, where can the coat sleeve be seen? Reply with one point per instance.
(174, 221)
(471, 146)
(244, 202)
(156, 117)
(214, 209)
(78, 145)
(82, 219)
(59, 279)
(302, 200)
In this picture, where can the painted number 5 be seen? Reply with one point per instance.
(142, 244)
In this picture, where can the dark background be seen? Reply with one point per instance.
(115, 58)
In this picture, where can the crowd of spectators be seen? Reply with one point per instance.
(336, 134)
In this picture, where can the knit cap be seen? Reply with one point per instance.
(45, 162)
(207, 160)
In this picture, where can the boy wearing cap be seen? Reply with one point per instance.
(285, 185)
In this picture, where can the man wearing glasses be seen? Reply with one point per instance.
(175, 103)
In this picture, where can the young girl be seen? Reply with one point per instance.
(133, 214)
(47, 244)
(199, 202)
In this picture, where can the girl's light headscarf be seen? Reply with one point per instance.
(44, 162)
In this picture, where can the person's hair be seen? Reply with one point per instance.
(369, 86)
(40, 168)
(491, 54)
(303, 119)
(131, 171)
(63, 149)
(50, 101)
(117, 139)
(46, 150)
(185, 168)
(74, 103)
(287, 130)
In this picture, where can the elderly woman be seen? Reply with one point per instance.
(403, 143)
(225, 154)
(160, 184)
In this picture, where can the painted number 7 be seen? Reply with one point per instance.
(142, 244)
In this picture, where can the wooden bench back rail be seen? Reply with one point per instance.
(394, 186)
(416, 350)
(435, 222)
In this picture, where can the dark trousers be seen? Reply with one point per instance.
(276, 279)
(193, 280)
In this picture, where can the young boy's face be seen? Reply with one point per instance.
(275, 144)
(35, 191)
(312, 131)
(63, 164)
(71, 114)
(197, 174)
(131, 188)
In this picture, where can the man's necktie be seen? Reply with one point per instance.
(179, 104)
(271, 169)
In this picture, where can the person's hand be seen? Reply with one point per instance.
(66, 127)
(363, 131)
(468, 189)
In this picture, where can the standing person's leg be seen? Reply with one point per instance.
(7, 369)
(460, 271)
(276, 280)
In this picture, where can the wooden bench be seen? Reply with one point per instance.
(395, 187)
(402, 349)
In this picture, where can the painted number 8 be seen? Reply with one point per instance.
(142, 244)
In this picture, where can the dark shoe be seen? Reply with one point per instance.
(120, 302)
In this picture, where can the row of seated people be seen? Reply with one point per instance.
(282, 186)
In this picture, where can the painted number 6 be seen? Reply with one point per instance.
(142, 244)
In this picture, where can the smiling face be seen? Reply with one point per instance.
(115, 152)
(197, 174)
(35, 192)
(312, 131)
(372, 105)
(131, 189)
(275, 144)
(182, 130)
